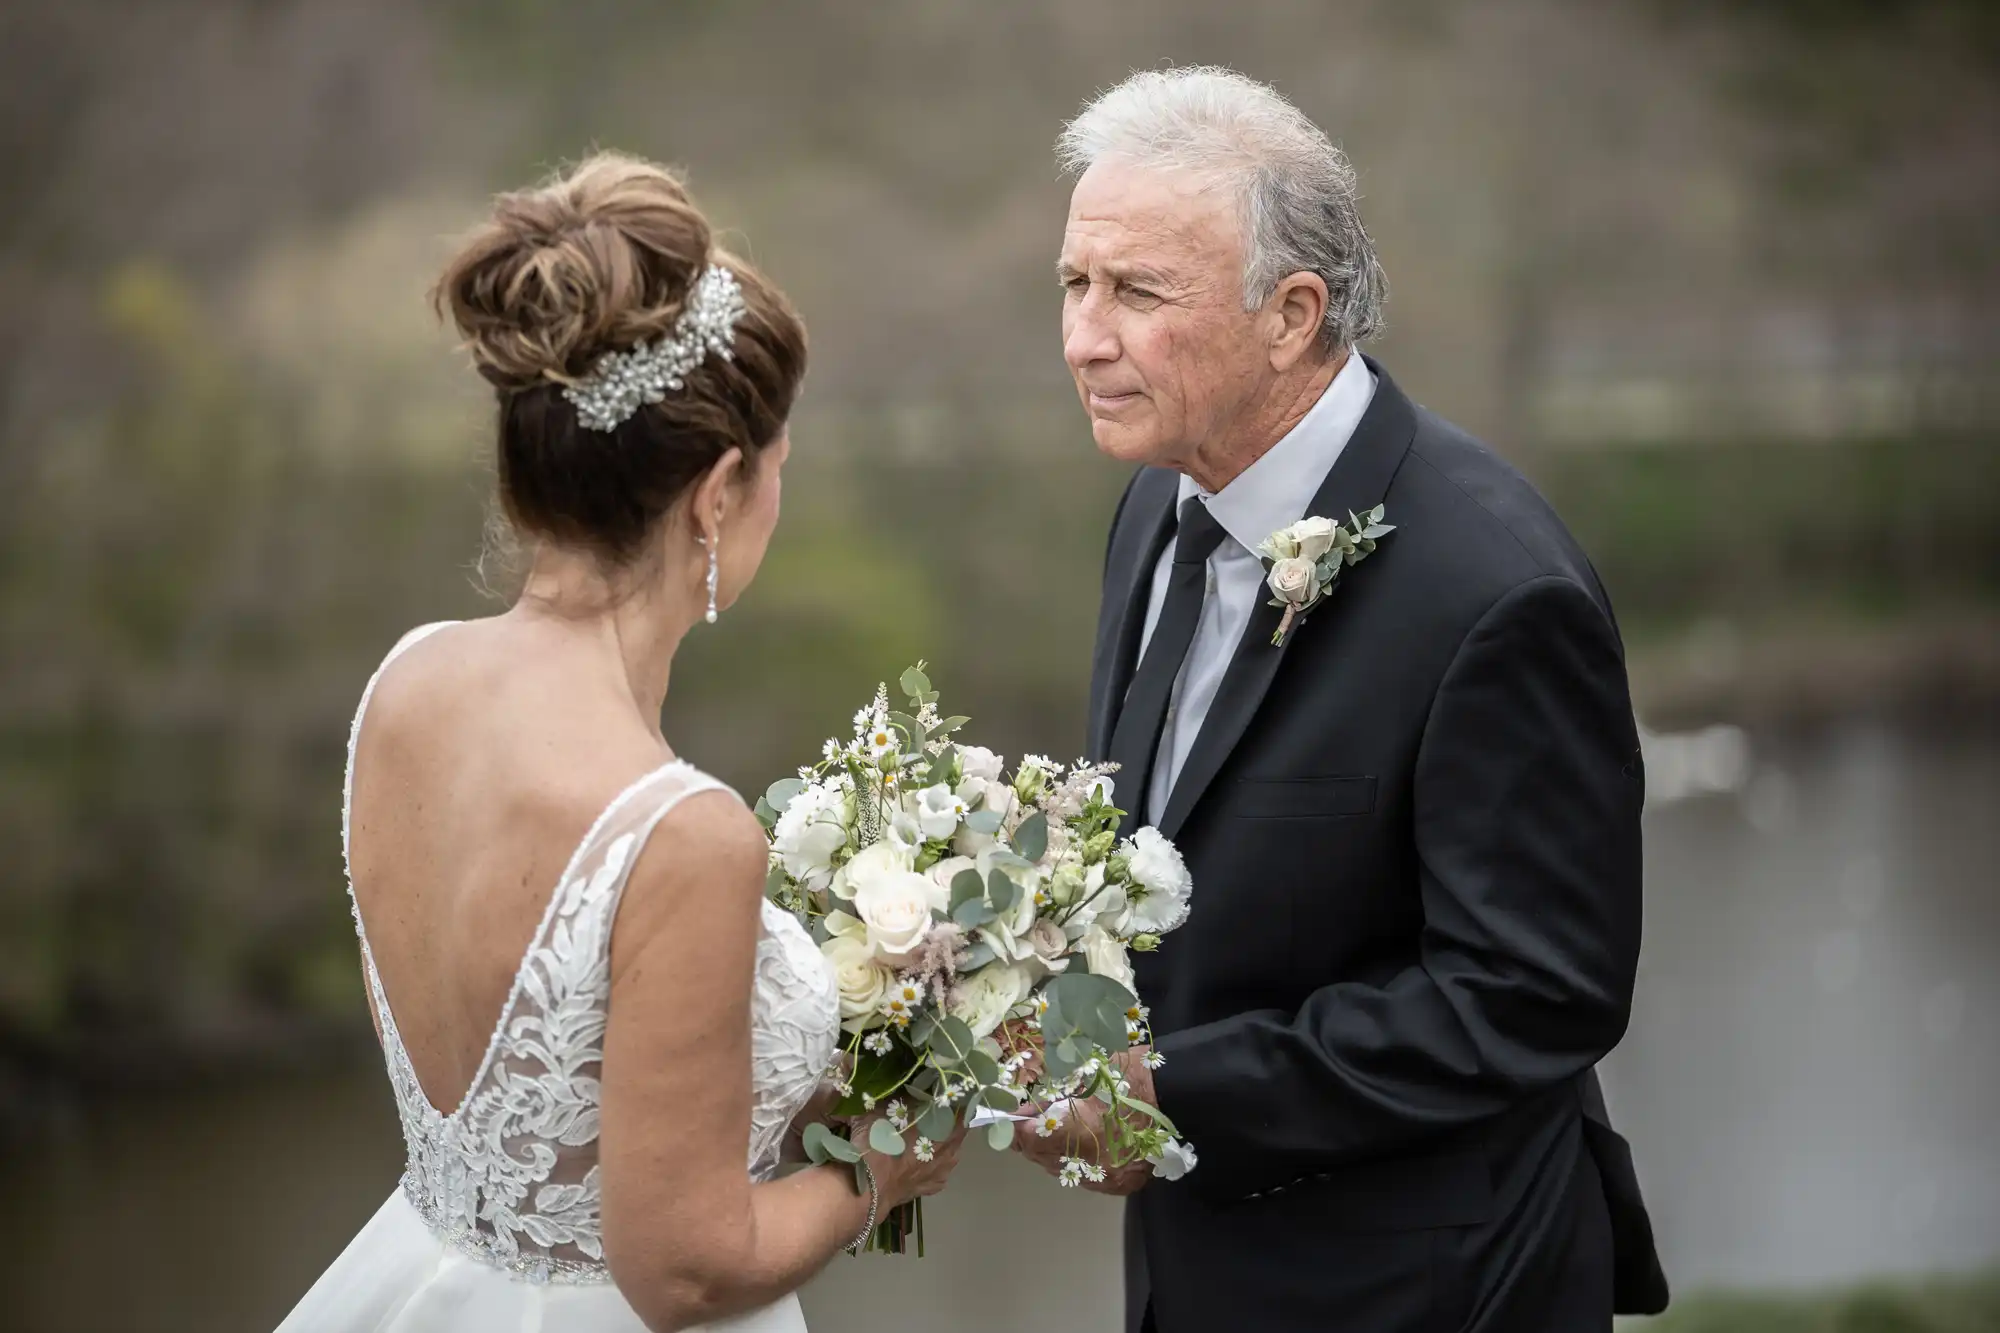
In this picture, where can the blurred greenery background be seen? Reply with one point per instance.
(1720, 275)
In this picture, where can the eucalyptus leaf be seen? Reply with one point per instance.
(915, 683)
(978, 955)
(953, 1039)
(949, 725)
(883, 1138)
(1002, 892)
(983, 821)
(1053, 1024)
(1031, 839)
(921, 1029)
(782, 792)
(765, 814)
(1000, 1135)
(935, 1123)
(939, 772)
(1104, 1028)
(965, 887)
(982, 1067)
(775, 880)
(913, 735)
(823, 1145)
(972, 913)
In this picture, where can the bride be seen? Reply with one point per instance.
(578, 1161)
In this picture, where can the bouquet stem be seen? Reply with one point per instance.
(893, 1233)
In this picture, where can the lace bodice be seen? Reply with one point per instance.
(511, 1176)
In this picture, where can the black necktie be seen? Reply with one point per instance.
(1137, 737)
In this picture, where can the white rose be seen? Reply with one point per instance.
(882, 860)
(1001, 800)
(1292, 580)
(1314, 536)
(983, 1000)
(1106, 956)
(897, 911)
(863, 982)
(1174, 1161)
(979, 762)
(810, 831)
(1157, 867)
(938, 811)
(941, 875)
(1280, 545)
(1051, 946)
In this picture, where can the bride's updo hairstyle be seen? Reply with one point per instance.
(594, 262)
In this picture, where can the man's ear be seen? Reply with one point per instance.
(1298, 306)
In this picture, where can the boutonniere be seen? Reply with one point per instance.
(1306, 560)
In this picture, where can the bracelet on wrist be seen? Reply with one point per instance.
(874, 1207)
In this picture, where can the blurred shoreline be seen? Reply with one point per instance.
(1933, 674)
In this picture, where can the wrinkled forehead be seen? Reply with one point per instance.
(1126, 215)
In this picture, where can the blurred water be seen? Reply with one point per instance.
(1811, 1081)
(1810, 1084)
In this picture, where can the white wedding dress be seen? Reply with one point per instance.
(495, 1228)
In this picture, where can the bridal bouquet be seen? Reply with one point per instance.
(979, 925)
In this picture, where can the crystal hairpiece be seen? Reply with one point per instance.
(622, 382)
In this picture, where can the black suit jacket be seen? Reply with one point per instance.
(1414, 835)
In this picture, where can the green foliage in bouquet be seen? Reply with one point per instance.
(979, 926)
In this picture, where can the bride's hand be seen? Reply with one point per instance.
(904, 1177)
(818, 1110)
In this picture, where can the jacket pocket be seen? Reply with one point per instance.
(1303, 798)
(1406, 1194)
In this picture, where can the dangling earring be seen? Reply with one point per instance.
(713, 574)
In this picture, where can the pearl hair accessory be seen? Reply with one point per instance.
(622, 382)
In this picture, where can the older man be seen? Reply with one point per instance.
(1413, 824)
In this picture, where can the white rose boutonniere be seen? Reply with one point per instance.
(1307, 557)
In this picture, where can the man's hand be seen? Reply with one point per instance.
(1081, 1135)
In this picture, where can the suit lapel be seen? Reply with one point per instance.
(1128, 588)
(1359, 479)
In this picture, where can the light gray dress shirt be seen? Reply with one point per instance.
(1271, 493)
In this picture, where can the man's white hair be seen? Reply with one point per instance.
(1297, 190)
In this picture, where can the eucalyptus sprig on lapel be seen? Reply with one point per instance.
(1307, 557)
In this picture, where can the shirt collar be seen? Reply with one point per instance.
(1273, 492)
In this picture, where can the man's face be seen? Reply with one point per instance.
(1162, 351)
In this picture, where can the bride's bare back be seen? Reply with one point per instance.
(485, 757)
